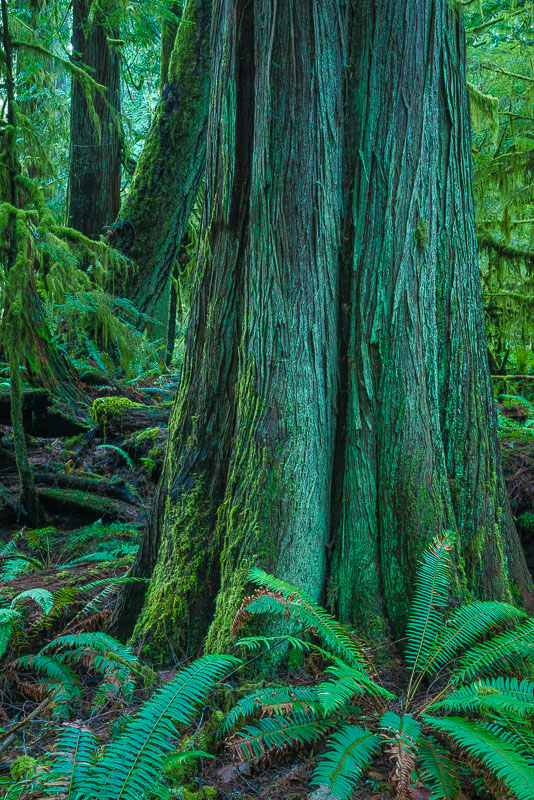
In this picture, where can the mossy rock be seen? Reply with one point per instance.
(106, 409)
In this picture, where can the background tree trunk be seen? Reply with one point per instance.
(333, 483)
(95, 150)
(167, 179)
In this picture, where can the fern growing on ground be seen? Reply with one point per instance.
(95, 652)
(131, 767)
(461, 693)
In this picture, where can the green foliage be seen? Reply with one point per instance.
(431, 596)
(135, 761)
(464, 648)
(499, 37)
(284, 600)
(497, 755)
(96, 652)
(12, 617)
(350, 751)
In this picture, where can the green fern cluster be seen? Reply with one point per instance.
(95, 652)
(132, 766)
(12, 616)
(461, 694)
(16, 629)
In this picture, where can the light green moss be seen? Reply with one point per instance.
(148, 435)
(172, 616)
(23, 767)
(106, 409)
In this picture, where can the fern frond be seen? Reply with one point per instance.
(255, 643)
(280, 731)
(483, 658)
(298, 697)
(516, 732)
(8, 618)
(97, 641)
(347, 682)
(73, 757)
(129, 462)
(61, 678)
(466, 625)
(350, 751)
(134, 761)
(431, 594)
(498, 695)
(43, 598)
(10, 547)
(405, 727)
(496, 754)
(288, 601)
(401, 735)
(436, 769)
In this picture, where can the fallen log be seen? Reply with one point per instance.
(42, 415)
(93, 484)
(78, 506)
(117, 417)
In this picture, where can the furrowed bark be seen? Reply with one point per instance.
(421, 446)
(248, 472)
(337, 237)
(156, 210)
(95, 149)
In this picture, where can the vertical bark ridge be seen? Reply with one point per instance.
(277, 503)
(490, 546)
(421, 452)
(182, 541)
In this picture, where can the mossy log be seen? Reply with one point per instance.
(115, 488)
(79, 505)
(116, 417)
(41, 415)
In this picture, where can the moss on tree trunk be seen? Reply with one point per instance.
(156, 210)
(335, 410)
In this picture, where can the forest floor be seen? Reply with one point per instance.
(95, 478)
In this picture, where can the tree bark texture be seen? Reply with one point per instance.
(335, 410)
(167, 179)
(95, 149)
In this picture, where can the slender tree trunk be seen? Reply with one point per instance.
(96, 137)
(8, 199)
(156, 210)
(335, 409)
(169, 29)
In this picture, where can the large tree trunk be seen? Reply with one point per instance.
(96, 135)
(335, 409)
(167, 179)
(420, 447)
